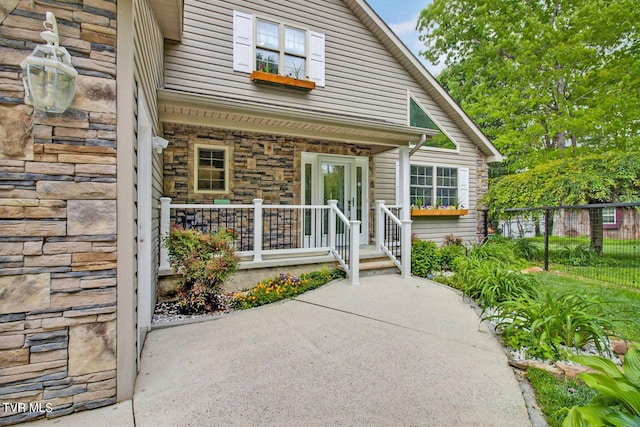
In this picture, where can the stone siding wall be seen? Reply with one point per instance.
(264, 166)
(482, 182)
(58, 219)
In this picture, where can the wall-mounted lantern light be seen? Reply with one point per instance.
(159, 143)
(47, 74)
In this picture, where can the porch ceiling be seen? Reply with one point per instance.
(200, 110)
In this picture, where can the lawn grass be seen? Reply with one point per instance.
(556, 395)
(623, 303)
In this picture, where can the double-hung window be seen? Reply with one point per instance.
(281, 49)
(211, 169)
(262, 44)
(608, 216)
(435, 186)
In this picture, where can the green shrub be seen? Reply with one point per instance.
(489, 282)
(449, 254)
(577, 255)
(282, 286)
(526, 249)
(545, 324)
(498, 252)
(618, 401)
(425, 258)
(205, 262)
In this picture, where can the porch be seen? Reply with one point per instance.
(279, 235)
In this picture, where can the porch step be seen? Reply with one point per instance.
(372, 265)
(378, 266)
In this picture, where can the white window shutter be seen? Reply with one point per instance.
(463, 188)
(316, 58)
(242, 42)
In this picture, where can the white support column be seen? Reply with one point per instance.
(379, 234)
(165, 225)
(354, 253)
(404, 181)
(331, 233)
(257, 230)
(405, 250)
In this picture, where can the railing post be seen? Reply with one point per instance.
(405, 250)
(257, 230)
(354, 253)
(331, 232)
(379, 236)
(546, 239)
(165, 225)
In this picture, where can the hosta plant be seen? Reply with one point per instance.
(618, 401)
(551, 324)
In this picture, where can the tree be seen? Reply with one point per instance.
(541, 76)
(590, 179)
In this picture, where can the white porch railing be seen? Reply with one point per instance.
(272, 230)
(393, 237)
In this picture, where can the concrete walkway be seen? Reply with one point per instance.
(388, 352)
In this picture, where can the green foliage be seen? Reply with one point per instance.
(578, 254)
(618, 399)
(541, 76)
(282, 286)
(526, 249)
(556, 395)
(489, 283)
(498, 251)
(592, 178)
(205, 262)
(449, 256)
(425, 258)
(547, 323)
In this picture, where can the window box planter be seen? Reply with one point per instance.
(262, 77)
(439, 212)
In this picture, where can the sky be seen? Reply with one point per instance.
(401, 16)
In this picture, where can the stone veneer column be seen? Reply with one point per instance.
(482, 181)
(58, 219)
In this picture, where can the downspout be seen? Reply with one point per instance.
(420, 143)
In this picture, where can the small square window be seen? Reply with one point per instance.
(211, 171)
(609, 216)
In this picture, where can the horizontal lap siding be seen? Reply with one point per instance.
(430, 228)
(148, 57)
(362, 78)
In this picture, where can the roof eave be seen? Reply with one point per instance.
(370, 18)
(198, 109)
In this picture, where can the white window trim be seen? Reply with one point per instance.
(425, 147)
(463, 182)
(196, 164)
(615, 218)
(282, 45)
(244, 46)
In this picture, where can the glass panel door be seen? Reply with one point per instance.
(336, 180)
(341, 178)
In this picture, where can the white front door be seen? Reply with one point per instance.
(341, 178)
